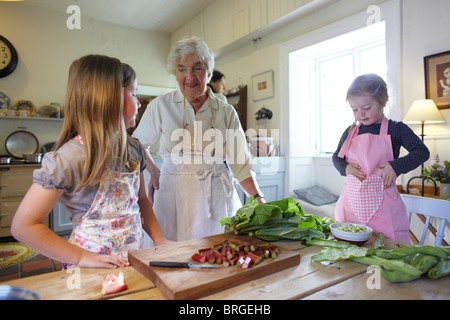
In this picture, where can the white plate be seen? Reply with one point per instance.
(21, 142)
(5, 103)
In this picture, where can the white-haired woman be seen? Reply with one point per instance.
(202, 145)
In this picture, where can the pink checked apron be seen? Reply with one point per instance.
(368, 202)
(113, 224)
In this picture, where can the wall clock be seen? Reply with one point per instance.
(8, 57)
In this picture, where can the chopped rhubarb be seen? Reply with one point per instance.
(204, 251)
(234, 261)
(273, 255)
(198, 257)
(236, 252)
(240, 261)
(210, 258)
(255, 258)
(246, 263)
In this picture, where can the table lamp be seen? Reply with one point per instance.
(422, 112)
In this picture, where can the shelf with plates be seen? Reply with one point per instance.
(31, 118)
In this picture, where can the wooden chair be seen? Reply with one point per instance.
(429, 207)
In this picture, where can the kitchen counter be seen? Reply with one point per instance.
(308, 280)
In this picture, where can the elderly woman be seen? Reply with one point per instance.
(202, 145)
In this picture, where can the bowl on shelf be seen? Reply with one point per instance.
(353, 233)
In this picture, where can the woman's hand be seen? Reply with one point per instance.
(389, 176)
(355, 170)
(96, 260)
(153, 184)
(162, 241)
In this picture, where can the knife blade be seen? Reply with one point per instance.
(189, 265)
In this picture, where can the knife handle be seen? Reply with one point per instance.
(169, 264)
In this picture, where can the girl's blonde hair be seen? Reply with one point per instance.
(94, 110)
(369, 84)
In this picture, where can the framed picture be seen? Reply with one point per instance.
(437, 79)
(262, 85)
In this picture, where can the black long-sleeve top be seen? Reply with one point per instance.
(401, 136)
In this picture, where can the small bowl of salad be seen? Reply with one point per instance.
(353, 233)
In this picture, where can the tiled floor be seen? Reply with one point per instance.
(39, 264)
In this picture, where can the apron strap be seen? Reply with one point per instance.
(348, 141)
(384, 127)
(227, 185)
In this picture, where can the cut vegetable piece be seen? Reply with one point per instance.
(113, 284)
(198, 257)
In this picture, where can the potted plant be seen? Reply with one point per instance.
(439, 172)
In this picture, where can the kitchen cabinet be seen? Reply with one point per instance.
(257, 14)
(239, 101)
(224, 22)
(194, 27)
(218, 30)
(15, 180)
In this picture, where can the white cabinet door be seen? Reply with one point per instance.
(218, 27)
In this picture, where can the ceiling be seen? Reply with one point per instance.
(152, 15)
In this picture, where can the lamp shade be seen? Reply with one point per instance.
(423, 111)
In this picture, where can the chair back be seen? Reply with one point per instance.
(428, 207)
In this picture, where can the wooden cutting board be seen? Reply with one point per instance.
(182, 283)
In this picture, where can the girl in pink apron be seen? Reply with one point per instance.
(95, 172)
(368, 155)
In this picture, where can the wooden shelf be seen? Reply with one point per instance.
(31, 118)
(429, 191)
(240, 105)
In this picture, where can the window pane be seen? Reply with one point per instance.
(335, 77)
(334, 121)
(373, 60)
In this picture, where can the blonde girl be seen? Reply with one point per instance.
(95, 172)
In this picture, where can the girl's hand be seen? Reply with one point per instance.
(389, 176)
(355, 170)
(96, 260)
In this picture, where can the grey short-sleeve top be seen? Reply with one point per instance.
(62, 169)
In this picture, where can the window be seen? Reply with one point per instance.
(324, 72)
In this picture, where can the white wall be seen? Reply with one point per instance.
(426, 26)
(46, 48)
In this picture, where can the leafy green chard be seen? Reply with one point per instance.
(276, 220)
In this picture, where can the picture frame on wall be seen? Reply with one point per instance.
(262, 86)
(437, 79)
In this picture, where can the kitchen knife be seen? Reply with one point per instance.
(189, 265)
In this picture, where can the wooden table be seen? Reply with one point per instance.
(309, 280)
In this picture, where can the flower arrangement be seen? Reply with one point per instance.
(438, 172)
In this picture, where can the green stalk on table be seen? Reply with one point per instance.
(401, 264)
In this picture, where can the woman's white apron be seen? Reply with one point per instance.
(193, 197)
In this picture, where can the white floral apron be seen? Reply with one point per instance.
(113, 223)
